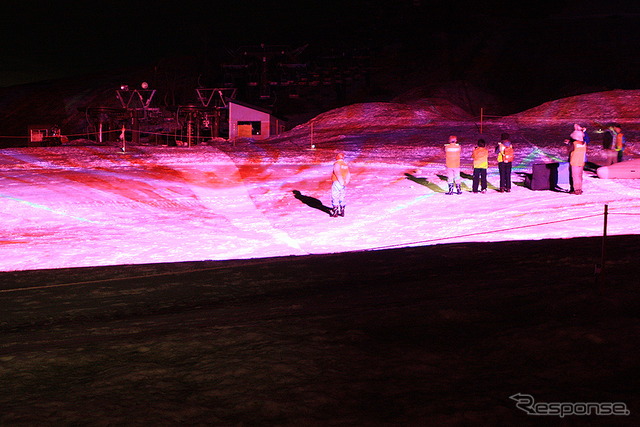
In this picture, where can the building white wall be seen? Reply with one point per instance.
(240, 113)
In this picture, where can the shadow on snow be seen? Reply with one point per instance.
(311, 202)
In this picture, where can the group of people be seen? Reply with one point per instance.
(340, 175)
(480, 156)
(613, 143)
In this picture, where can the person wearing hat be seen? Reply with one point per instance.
(340, 177)
(577, 154)
(504, 150)
(581, 131)
(452, 156)
(578, 133)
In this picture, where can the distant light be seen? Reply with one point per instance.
(124, 87)
(145, 85)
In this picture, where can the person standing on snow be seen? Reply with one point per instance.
(452, 156)
(480, 158)
(340, 177)
(504, 150)
(611, 155)
(619, 141)
(577, 154)
(585, 136)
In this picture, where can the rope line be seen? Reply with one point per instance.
(262, 261)
(119, 279)
(94, 133)
(484, 232)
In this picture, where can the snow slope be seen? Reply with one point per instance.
(95, 205)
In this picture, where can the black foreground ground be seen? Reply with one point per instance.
(436, 335)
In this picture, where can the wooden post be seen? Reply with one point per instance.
(604, 247)
(481, 117)
(124, 142)
(312, 144)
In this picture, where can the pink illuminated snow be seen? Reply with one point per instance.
(77, 205)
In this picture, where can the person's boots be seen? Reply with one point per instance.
(458, 189)
(334, 211)
(450, 189)
(341, 211)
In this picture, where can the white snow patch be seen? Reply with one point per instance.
(73, 206)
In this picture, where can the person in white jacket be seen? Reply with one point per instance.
(340, 177)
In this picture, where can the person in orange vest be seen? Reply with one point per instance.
(577, 153)
(480, 158)
(340, 177)
(452, 155)
(619, 141)
(504, 150)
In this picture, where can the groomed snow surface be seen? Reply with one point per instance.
(75, 206)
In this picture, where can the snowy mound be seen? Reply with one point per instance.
(593, 110)
(461, 94)
(378, 115)
(601, 107)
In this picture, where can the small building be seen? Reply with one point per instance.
(45, 135)
(37, 134)
(249, 121)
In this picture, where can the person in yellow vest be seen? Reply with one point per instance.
(452, 156)
(504, 150)
(480, 158)
(577, 153)
(340, 177)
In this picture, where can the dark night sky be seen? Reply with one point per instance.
(48, 40)
(499, 42)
